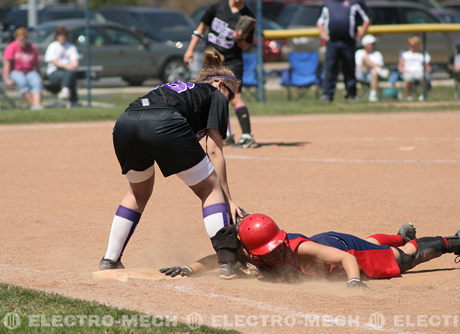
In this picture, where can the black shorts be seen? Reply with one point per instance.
(236, 66)
(161, 134)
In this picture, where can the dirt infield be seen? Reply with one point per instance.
(351, 173)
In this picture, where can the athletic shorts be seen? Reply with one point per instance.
(142, 137)
(375, 261)
(236, 66)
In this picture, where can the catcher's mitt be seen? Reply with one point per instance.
(243, 27)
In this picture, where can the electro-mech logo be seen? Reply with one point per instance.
(11, 320)
(194, 320)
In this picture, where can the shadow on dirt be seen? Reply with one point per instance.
(286, 144)
(429, 270)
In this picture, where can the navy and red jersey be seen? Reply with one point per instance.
(203, 105)
(221, 22)
(375, 261)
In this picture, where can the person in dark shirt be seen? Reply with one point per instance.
(221, 19)
(337, 26)
(165, 126)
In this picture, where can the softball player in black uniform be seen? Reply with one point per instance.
(221, 19)
(165, 126)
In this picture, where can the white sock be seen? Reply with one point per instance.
(123, 225)
(215, 217)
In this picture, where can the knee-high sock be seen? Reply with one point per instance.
(223, 237)
(243, 118)
(123, 225)
(393, 240)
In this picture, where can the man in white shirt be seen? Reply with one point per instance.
(62, 58)
(369, 66)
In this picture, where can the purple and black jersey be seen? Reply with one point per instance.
(203, 105)
(222, 22)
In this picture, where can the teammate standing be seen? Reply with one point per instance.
(221, 19)
(165, 126)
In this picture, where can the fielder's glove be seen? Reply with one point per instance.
(356, 283)
(177, 270)
(243, 27)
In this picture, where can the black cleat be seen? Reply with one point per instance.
(109, 264)
(407, 231)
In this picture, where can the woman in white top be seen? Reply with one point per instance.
(411, 65)
(62, 58)
(369, 65)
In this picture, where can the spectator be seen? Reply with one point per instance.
(369, 66)
(62, 58)
(454, 66)
(411, 65)
(20, 68)
(337, 26)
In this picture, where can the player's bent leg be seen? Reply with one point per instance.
(426, 249)
(128, 216)
(215, 216)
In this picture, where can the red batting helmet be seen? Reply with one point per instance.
(259, 234)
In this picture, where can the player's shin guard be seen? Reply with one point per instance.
(223, 235)
(428, 248)
(242, 114)
(123, 226)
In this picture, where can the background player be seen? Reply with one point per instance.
(282, 255)
(221, 19)
(165, 126)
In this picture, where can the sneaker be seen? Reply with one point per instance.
(230, 270)
(64, 94)
(40, 107)
(230, 140)
(407, 231)
(373, 96)
(247, 142)
(109, 264)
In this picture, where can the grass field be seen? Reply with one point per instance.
(27, 311)
(276, 103)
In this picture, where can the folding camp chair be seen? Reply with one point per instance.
(249, 80)
(302, 72)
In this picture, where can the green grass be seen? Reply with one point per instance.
(276, 104)
(38, 308)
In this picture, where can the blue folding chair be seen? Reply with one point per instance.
(249, 71)
(302, 71)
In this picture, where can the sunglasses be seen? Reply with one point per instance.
(231, 93)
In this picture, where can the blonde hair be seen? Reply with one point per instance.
(214, 70)
(415, 42)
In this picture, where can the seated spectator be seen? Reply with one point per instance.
(62, 58)
(369, 66)
(454, 66)
(411, 65)
(20, 68)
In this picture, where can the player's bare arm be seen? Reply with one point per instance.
(330, 255)
(214, 150)
(197, 36)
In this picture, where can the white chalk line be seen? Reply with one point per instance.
(334, 160)
(261, 306)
